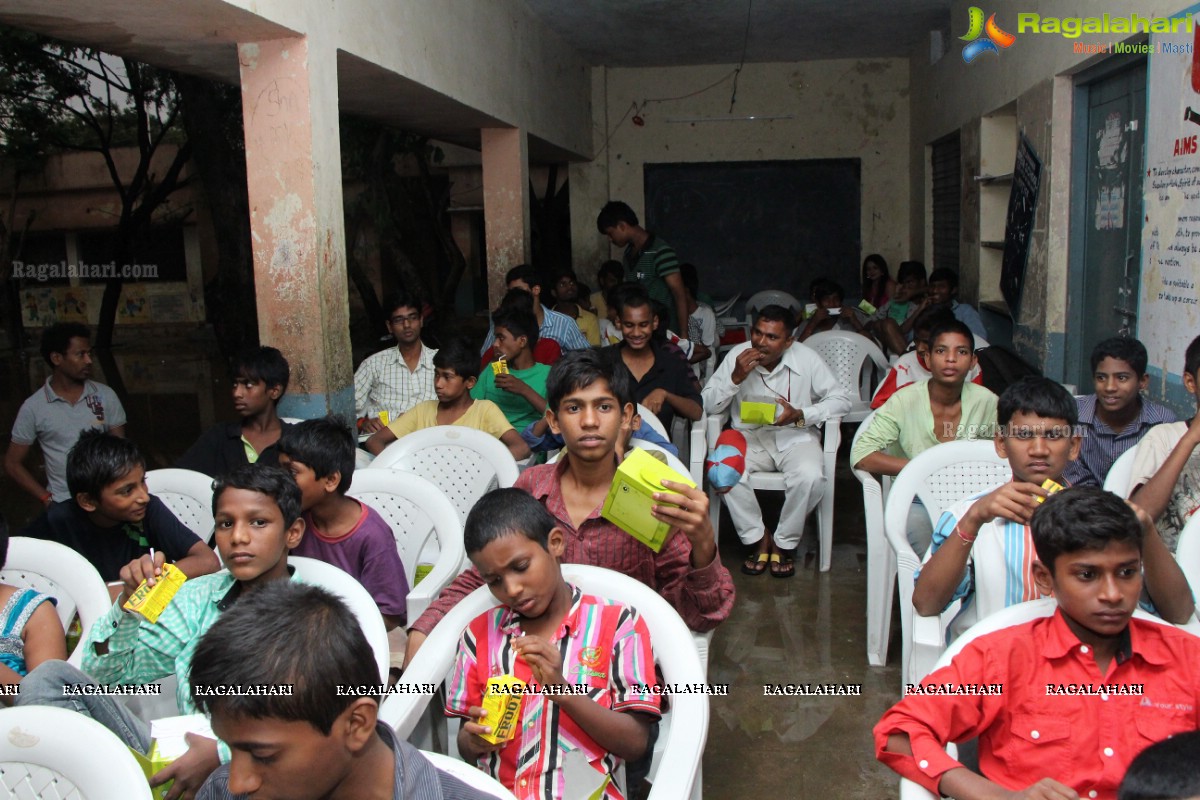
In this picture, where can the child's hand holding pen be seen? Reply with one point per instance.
(144, 568)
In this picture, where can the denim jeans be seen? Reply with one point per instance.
(45, 686)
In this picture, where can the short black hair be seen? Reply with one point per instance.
(323, 445)
(910, 269)
(502, 512)
(57, 338)
(579, 369)
(517, 322)
(775, 313)
(944, 274)
(632, 295)
(275, 482)
(1122, 348)
(690, 278)
(1081, 518)
(284, 634)
(932, 318)
(526, 273)
(1191, 358)
(1165, 770)
(401, 298)
(1042, 397)
(614, 213)
(516, 298)
(459, 356)
(952, 325)
(98, 459)
(264, 364)
(823, 287)
(613, 269)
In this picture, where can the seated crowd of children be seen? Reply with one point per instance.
(243, 619)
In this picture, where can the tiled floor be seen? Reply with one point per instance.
(807, 629)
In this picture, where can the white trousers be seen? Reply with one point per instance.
(804, 482)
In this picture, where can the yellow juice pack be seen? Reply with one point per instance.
(1051, 487)
(502, 699)
(148, 602)
(385, 418)
(630, 498)
(755, 413)
(500, 367)
(866, 307)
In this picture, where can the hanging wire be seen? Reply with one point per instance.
(742, 63)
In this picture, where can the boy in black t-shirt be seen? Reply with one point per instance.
(113, 521)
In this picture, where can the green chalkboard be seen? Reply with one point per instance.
(753, 225)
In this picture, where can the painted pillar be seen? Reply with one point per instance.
(293, 166)
(505, 204)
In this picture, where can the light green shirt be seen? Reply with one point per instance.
(903, 426)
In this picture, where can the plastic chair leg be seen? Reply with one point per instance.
(881, 580)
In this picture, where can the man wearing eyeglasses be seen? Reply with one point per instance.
(394, 380)
(778, 392)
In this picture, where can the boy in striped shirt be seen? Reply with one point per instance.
(586, 661)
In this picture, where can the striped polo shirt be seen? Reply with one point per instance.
(1102, 445)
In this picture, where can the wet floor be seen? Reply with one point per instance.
(807, 629)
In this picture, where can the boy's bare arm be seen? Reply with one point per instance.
(200, 560)
(14, 465)
(1154, 494)
(515, 444)
(880, 463)
(379, 440)
(674, 282)
(1165, 582)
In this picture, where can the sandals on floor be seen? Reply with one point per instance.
(783, 564)
(755, 564)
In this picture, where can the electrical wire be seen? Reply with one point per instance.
(742, 63)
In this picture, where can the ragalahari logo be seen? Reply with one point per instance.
(994, 39)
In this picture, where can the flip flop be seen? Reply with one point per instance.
(783, 564)
(755, 565)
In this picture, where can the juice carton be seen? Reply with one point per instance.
(867, 308)
(385, 418)
(1051, 487)
(756, 412)
(148, 602)
(499, 367)
(502, 699)
(630, 498)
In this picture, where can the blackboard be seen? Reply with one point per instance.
(754, 225)
(1022, 204)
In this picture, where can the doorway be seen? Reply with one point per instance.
(1109, 141)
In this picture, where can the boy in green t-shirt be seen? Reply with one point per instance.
(519, 388)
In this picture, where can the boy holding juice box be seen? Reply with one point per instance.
(257, 512)
(575, 664)
(1037, 433)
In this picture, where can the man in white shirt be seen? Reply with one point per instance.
(775, 376)
(396, 379)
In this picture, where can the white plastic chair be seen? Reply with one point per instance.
(1013, 615)
(352, 593)
(188, 494)
(463, 462)
(1187, 552)
(65, 575)
(424, 524)
(468, 774)
(771, 297)
(940, 477)
(773, 481)
(651, 419)
(1120, 474)
(881, 561)
(676, 771)
(847, 354)
(53, 753)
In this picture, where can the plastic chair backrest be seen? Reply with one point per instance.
(62, 573)
(846, 354)
(1187, 552)
(469, 774)
(651, 419)
(424, 524)
(54, 753)
(463, 462)
(352, 593)
(722, 307)
(674, 648)
(771, 297)
(189, 496)
(1121, 473)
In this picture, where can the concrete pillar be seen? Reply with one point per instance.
(293, 166)
(505, 204)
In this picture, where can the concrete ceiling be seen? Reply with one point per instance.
(660, 33)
